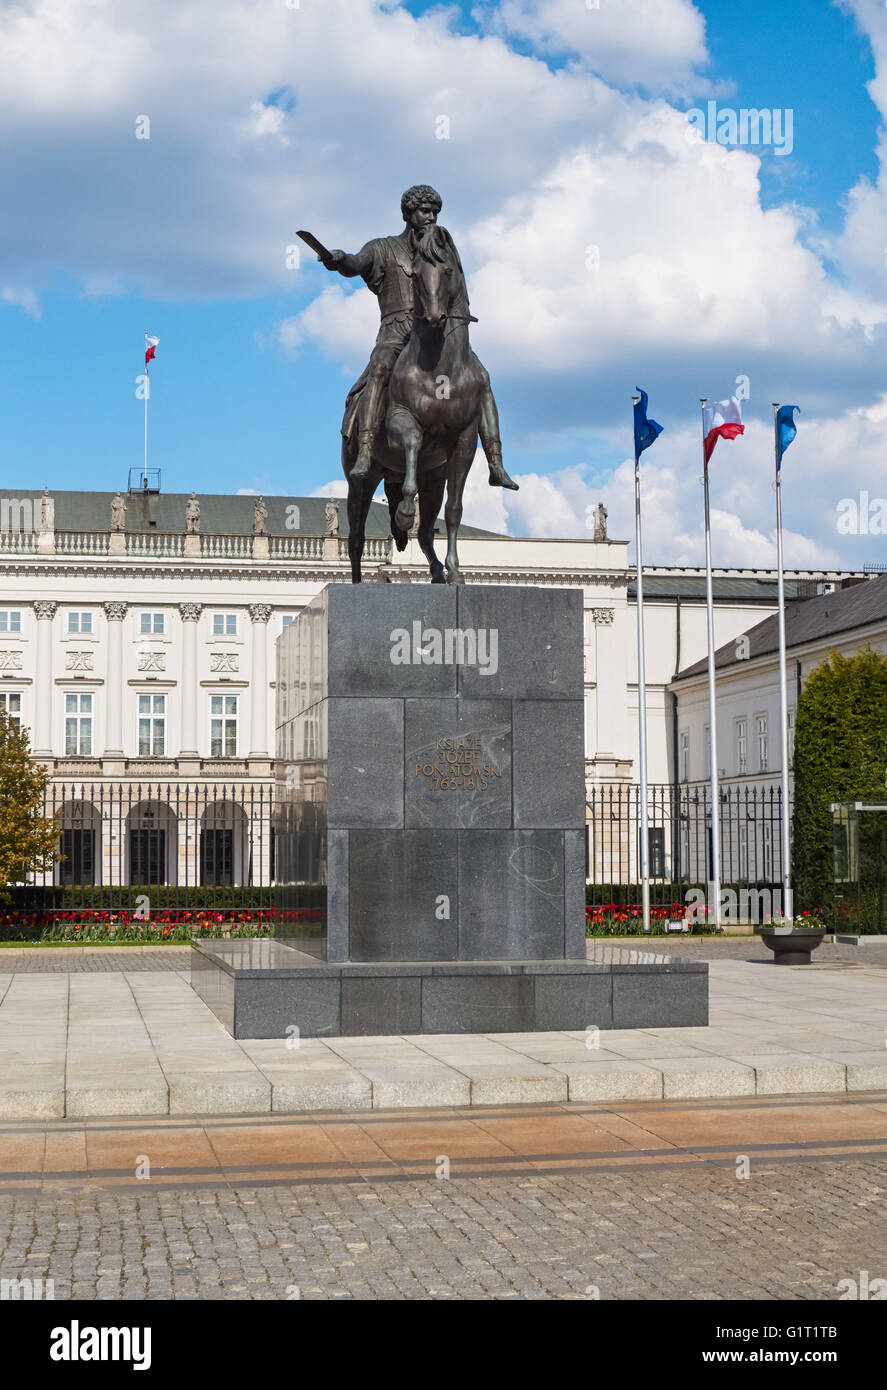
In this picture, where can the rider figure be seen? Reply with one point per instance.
(385, 264)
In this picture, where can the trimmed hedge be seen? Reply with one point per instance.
(661, 894)
(840, 754)
(69, 897)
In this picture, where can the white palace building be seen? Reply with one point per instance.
(137, 644)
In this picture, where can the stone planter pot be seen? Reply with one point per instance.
(794, 947)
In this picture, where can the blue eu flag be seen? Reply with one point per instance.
(646, 432)
(786, 429)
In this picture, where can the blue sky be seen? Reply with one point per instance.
(185, 235)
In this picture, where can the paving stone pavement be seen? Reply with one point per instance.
(790, 1232)
(105, 959)
(83, 960)
(141, 1042)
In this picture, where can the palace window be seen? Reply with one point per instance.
(78, 725)
(656, 851)
(287, 619)
(152, 726)
(151, 622)
(741, 746)
(79, 622)
(10, 620)
(706, 743)
(685, 755)
(224, 624)
(223, 726)
(11, 704)
(761, 736)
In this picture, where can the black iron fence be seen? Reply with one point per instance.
(181, 845)
(206, 845)
(680, 842)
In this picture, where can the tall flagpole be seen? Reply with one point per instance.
(642, 690)
(783, 684)
(715, 885)
(145, 478)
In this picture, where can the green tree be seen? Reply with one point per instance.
(840, 754)
(28, 840)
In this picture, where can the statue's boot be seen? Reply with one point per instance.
(369, 420)
(364, 458)
(498, 476)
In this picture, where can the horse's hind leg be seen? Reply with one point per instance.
(360, 496)
(460, 461)
(430, 497)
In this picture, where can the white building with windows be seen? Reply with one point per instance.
(852, 615)
(139, 652)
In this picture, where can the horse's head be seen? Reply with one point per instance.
(437, 276)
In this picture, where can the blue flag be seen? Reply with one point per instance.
(646, 432)
(786, 429)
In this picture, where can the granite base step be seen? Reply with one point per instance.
(267, 989)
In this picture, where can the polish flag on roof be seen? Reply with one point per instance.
(150, 348)
(723, 420)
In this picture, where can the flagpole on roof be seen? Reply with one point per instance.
(642, 690)
(145, 477)
(715, 884)
(783, 683)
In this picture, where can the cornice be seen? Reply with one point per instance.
(138, 572)
(375, 572)
(560, 578)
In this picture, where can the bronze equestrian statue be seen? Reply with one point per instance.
(423, 383)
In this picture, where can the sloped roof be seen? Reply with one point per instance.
(808, 620)
(220, 513)
(741, 588)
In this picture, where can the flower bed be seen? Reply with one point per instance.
(121, 924)
(610, 919)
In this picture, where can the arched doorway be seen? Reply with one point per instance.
(224, 844)
(80, 843)
(152, 844)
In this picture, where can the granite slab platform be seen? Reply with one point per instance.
(267, 989)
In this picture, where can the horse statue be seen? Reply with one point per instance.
(439, 400)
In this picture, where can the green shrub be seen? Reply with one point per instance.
(840, 754)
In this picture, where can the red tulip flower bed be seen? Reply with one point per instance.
(124, 924)
(611, 919)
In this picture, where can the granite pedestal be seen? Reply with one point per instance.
(265, 989)
(430, 826)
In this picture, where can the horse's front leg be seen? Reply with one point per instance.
(405, 433)
(460, 461)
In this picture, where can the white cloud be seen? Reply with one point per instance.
(343, 325)
(695, 284)
(863, 245)
(22, 299)
(652, 43)
(337, 487)
(483, 505)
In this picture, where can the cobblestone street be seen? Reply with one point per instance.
(790, 1233)
(650, 1208)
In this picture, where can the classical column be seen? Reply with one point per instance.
(259, 614)
(115, 613)
(190, 616)
(43, 687)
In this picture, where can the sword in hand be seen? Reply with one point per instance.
(329, 258)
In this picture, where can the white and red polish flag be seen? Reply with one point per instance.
(723, 420)
(150, 348)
